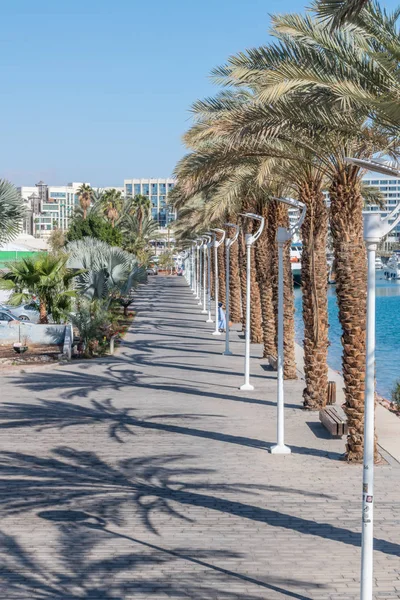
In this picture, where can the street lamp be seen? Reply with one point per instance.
(206, 241)
(250, 239)
(211, 235)
(217, 244)
(375, 228)
(283, 236)
(228, 243)
(201, 269)
(197, 286)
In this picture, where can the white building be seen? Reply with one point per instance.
(50, 207)
(390, 189)
(157, 190)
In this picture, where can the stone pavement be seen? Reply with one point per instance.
(147, 475)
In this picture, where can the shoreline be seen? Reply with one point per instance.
(387, 423)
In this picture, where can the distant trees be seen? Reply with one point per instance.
(94, 226)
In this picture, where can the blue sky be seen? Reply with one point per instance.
(100, 90)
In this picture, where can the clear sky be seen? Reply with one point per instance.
(100, 90)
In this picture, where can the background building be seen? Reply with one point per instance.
(157, 190)
(390, 189)
(50, 207)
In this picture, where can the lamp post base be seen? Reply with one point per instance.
(227, 353)
(203, 312)
(216, 333)
(280, 449)
(247, 387)
(209, 320)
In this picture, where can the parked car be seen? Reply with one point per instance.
(6, 316)
(152, 271)
(25, 312)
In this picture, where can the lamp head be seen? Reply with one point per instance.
(379, 165)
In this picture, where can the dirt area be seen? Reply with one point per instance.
(34, 355)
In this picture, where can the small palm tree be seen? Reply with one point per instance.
(45, 276)
(85, 197)
(108, 272)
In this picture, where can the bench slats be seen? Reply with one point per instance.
(333, 422)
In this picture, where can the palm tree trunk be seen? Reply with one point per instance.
(263, 267)
(43, 320)
(256, 325)
(242, 274)
(278, 217)
(314, 280)
(351, 290)
(235, 309)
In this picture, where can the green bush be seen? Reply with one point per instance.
(95, 227)
(395, 395)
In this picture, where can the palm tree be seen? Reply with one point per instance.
(142, 206)
(279, 76)
(112, 202)
(138, 233)
(45, 276)
(12, 211)
(108, 272)
(85, 197)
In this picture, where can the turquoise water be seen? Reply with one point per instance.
(387, 333)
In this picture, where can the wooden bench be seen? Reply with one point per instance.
(333, 422)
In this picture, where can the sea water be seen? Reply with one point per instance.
(387, 332)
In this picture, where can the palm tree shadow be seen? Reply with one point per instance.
(81, 575)
(122, 422)
(147, 485)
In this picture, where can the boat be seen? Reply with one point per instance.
(392, 268)
(378, 263)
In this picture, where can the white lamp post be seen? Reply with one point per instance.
(206, 240)
(201, 269)
(375, 228)
(209, 246)
(217, 244)
(250, 239)
(228, 243)
(196, 270)
(192, 263)
(283, 236)
(198, 255)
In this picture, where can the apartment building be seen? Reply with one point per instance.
(157, 190)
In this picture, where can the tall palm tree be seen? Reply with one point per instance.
(112, 202)
(85, 197)
(142, 207)
(278, 73)
(12, 211)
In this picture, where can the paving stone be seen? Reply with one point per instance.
(147, 475)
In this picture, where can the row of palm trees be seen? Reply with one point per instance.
(131, 215)
(288, 115)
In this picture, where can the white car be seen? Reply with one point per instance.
(6, 316)
(24, 312)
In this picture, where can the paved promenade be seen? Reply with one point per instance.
(147, 475)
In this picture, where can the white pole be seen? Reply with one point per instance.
(216, 331)
(200, 274)
(197, 273)
(209, 320)
(280, 447)
(204, 311)
(247, 385)
(194, 270)
(367, 539)
(227, 352)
